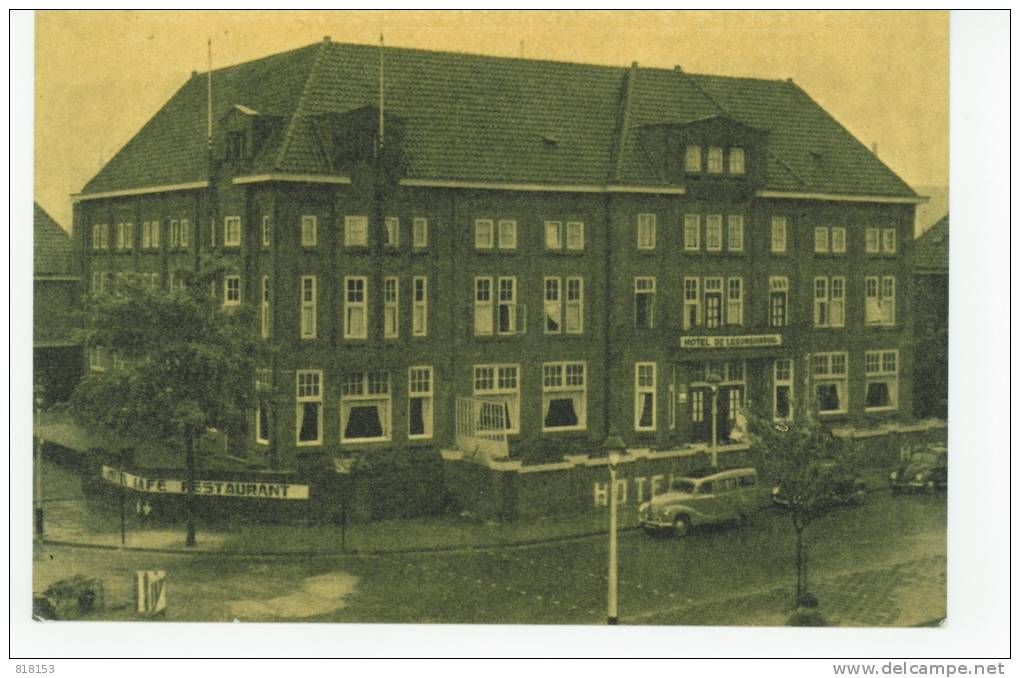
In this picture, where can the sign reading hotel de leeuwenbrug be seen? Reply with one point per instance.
(732, 341)
(247, 489)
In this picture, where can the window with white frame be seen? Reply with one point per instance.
(889, 240)
(880, 300)
(232, 231)
(821, 239)
(735, 301)
(507, 234)
(266, 231)
(485, 235)
(782, 389)
(735, 233)
(574, 323)
(355, 231)
(644, 397)
(100, 236)
(391, 307)
(646, 231)
(779, 301)
(575, 235)
(212, 233)
(263, 390)
(872, 242)
(154, 281)
(553, 306)
(713, 233)
(881, 370)
(715, 160)
(692, 159)
(231, 290)
(97, 359)
(692, 303)
(125, 236)
(185, 232)
(420, 306)
(737, 161)
(830, 379)
(309, 231)
(483, 306)
(644, 302)
(150, 235)
(839, 240)
(564, 397)
(365, 407)
(507, 315)
(830, 301)
(692, 232)
(778, 234)
(553, 235)
(420, 233)
(174, 234)
(309, 312)
(264, 308)
(392, 231)
(501, 383)
(355, 307)
(713, 302)
(308, 416)
(420, 402)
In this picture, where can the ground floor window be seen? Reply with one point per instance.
(501, 383)
(420, 399)
(727, 400)
(262, 423)
(644, 396)
(830, 377)
(782, 389)
(881, 370)
(365, 407)
(309, 407)
(564, 397)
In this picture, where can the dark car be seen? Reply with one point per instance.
(925, 470)
(843, 489)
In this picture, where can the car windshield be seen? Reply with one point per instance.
(683, 485)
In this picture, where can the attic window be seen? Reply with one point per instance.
(235, 145)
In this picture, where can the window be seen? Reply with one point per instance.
(235, 145)
(821, 239)
(713, 233)
(420, 233)
(309, 314)
(889, 240)
(232, 231)
(507, 234)
(692, 231)
(484, 235)
(483, 306)
(737, 161)
(830, 378)
(175, 233)
(355, 231)
(575, 235)
(564, 397)
(500, 383)
(309, 407)
(266, 237)
(644, 303)
(185, 232)
(391, 307)
(355, 307)
(735, 233)
(646, 231)
(150, 235)
(692, 159)
(553, 306)
(644, 396)
(782, 389)
(365, 407)
(263, 389)
(575, 306)
(830, 298)
(715, 160)
(735, 301)
(100, 236)
(309, 231)
(507, 317)
(881, 369)
(420, 400)
(692, 303)
(779, 289)
(713, 302)
(231, 290)
(880, 300)
(212, 233)
(420, 307)
(264, 308)
(871, 241)
(553, 235)
(97, 358)
(125, 236)
(838, 240)
(779, 234)
(392, 231)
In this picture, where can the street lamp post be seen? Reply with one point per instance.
(713, 383)
(38, 462)
(615, 447)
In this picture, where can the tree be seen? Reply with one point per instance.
(184, 364)
(811, 467)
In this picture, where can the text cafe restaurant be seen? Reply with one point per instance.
(742, 371)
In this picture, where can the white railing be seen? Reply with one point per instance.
(481, 429)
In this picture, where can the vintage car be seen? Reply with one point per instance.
(721, 497)
(926, 470)
(842, 489)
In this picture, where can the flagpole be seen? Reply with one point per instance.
(382, 100)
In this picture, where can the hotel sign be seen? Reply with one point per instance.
(215, 488)
(732, 341)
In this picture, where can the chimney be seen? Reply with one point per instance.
(326, 38)
(874, 148)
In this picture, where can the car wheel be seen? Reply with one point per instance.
(681, 526)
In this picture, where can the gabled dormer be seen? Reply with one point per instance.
(352, 140)
(242, 133)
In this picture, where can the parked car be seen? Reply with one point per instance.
(926, 470)
(720, 497)
(843, 489)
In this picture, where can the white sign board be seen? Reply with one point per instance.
(216, 488)
(732, 341)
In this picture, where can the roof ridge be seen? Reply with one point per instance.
(623, 115)
(288, 134)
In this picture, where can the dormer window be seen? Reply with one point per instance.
(692, 159)
(235, 145)
(715, 160)
(737, 165)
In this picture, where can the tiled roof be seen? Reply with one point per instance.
(53, 251)
(931, 249)
(480, 118)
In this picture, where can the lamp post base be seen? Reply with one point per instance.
(611, 621)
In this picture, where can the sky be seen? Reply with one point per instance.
(100, 75)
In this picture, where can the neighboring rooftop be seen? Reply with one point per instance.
(483, 118)
(53, 251)
(931, 249)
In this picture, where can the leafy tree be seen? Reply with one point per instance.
(184, 365)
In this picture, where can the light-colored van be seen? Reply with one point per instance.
(723, 497)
